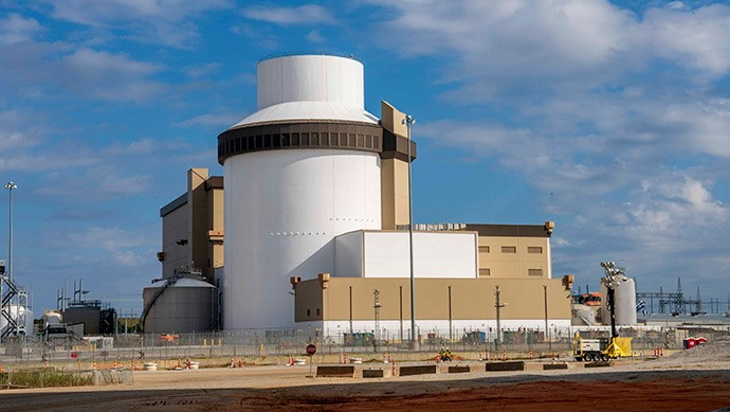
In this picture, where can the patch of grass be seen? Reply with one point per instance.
(43, 378)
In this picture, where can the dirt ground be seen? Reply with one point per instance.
(680, 384)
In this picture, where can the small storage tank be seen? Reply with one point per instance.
(625, 301)
(180, 305)
(52, 317)
(19, 313)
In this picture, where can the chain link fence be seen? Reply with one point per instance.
(292, 342)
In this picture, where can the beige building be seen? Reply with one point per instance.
(192, 228)
(514, 259)
(458, 267)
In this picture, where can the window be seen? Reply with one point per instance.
(483, 249)
(309, 312)
(509, 249)
(534, 272)
(534, 249)
(484, 272)
(317, 311)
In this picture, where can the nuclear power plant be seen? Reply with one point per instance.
(310, 226)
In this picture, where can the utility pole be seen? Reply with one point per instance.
(409, 121)
(498, 306)
(376, 309)
(547, 330)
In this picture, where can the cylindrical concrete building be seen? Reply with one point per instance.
(301, 170)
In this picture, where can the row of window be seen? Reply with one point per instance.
(530, 272)
(268, 141)
(512, 249)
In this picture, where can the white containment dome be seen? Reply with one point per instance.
(301, 170)
(625, 301)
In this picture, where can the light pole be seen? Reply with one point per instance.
(10, 186)
(498, 305)
(409, 121)
(547, 331)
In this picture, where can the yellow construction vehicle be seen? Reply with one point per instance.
(600, 349)
(604, 349)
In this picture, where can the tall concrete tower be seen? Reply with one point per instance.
(303, 169)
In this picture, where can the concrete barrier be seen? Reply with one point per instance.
(336, 371)
(459, 369)
(554, 366)
(416, 370)
(505, 366)
(372, 373)
(596, 365)
(107, 377)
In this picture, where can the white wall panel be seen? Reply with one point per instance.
(348, 255)
(435, 255)
(283, 210)
(310, 78)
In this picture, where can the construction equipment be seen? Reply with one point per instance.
(600, 349)
(604, 349)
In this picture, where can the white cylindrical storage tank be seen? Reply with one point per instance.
(188, 305)
(298, 172)
(19, 313)
(52, 317)
(625, 301)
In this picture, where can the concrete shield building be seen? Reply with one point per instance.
(316, 222)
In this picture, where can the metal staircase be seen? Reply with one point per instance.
(14, 307)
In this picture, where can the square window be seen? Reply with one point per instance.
(509, 249)
(534, 249)
(534, 272)
(483, 249)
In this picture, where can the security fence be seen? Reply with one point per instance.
(292, 342)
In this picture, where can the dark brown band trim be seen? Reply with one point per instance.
(509, 230)
(352, 136)
(313, 135)
(396, 147)
(172, 206)
(214, 182)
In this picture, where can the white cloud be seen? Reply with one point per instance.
(15, 28)
(160, 21)
(111, 239)
(212, 119)
(50, 67)
(129, 258)
(308, 15)
(315, 36)
(697, 39)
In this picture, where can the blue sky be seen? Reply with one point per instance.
(610, 118)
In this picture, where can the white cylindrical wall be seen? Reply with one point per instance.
(283, 209)
(310, 79)
(625, 301)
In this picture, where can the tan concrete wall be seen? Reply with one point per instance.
(308, 297)
(215, 197)
(175, 226)
(202, 213)
(513, 265)
(470, 299)
(392, 119)
(199, 223)
(394, 193)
